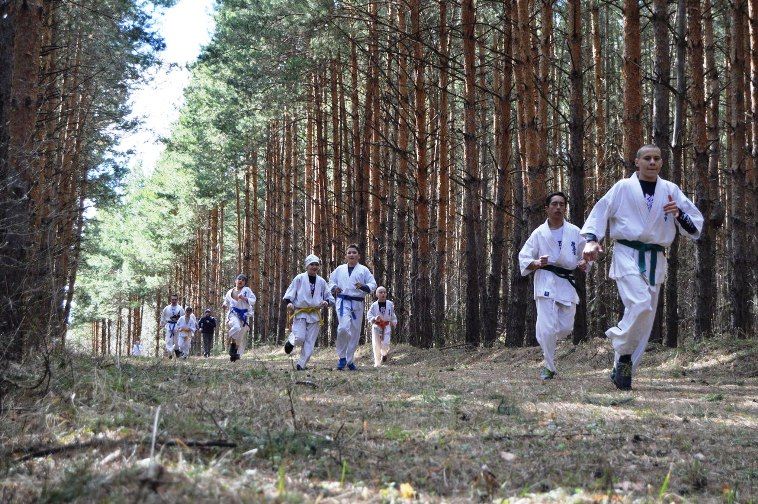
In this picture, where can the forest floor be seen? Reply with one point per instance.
(451, 425)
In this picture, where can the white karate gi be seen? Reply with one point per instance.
(555, 297)
(625, 209)
(380, 336)
(238, 315)
(186, 329)
(349, 307)
(170, 327)
(306, 325)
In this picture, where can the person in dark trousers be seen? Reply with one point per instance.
(207, 326)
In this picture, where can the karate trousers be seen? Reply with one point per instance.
(631, 334)
(185, 341)
(237, 331)
(380, 341)
(304, 334)
(348, 328)
(554, 320)
(172, 339)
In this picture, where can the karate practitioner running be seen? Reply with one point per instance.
(306, 296)
(382, 317)
(169, 317)
(643, 213)
(138, 349)
(186, 327)
(553, 251)
(350, 283)
(240, 301)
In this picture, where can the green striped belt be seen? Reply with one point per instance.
(641, 249)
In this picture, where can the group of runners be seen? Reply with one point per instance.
(641, 214)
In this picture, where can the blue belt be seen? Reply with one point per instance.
(242, 314)
(345, 297)
(172, 326)
(641, 249)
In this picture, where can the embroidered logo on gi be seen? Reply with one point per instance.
(573, 248)
(547, 293)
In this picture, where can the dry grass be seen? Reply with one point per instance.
(452, 425)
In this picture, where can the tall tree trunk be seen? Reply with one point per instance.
(576, 152)
(632, 115)
(443, 188)
(471, 176)
(661, 119)
(21, 24)
(740, 260)
(421, 286)
(705, 308)
(705, 277)
(502, 78)
(672, 286)
(402, 172)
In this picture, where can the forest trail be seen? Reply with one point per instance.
(438, 425)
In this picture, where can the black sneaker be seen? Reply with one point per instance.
(622, 373)
(384, 359)
(178, 352)
(299, 367)
(546, 374)
(233, 356)
(288, 347)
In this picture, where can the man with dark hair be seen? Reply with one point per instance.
(553, 251)
(240, 301)
(207, 326)
(642, 213)
(350, 283)
(169, 317)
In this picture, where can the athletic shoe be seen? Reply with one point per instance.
(384, 359)
(299, 368)
(546, 374)
(352, 366)
(178, 353)
(341, 364)
(233, 355)
(622, 373)
(288, 347)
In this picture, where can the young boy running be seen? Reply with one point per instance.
(240, 301)
(350, 283)
(382, 317)
(306, 296)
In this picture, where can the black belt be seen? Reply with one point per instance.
(562, 273)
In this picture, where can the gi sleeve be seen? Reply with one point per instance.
(692, 212)
(597, 221)
(291, 294)
(370, 281)
(328, 297)
(528, 254)
(251, 299)
(580, 253)
(373, 312)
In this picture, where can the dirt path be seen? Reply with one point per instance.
(450, 425)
